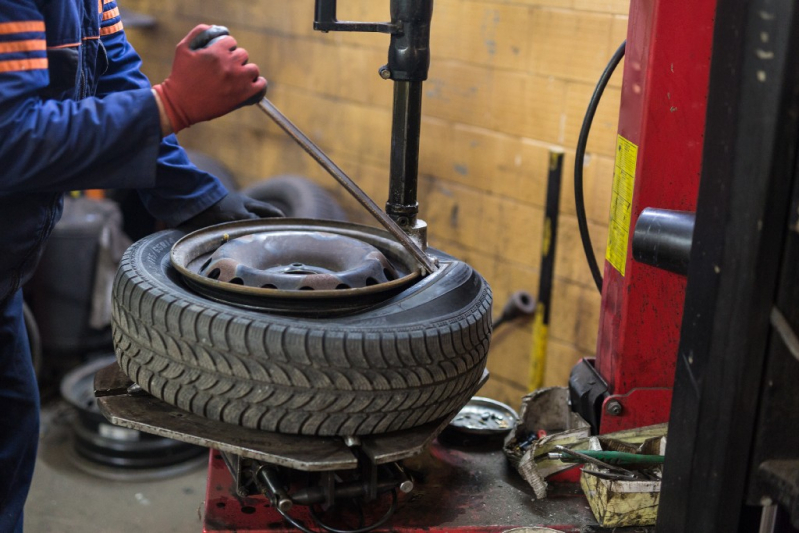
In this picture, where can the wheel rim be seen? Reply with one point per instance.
(297, 260)
(294, 266)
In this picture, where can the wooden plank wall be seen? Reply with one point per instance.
(509, 80)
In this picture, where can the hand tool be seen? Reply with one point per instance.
(609, 457)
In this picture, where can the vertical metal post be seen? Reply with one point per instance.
(402, 205)
(538, 356)
(408, 64)
(664, 93)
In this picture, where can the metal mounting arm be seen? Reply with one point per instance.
(325, 20)
(408, 65)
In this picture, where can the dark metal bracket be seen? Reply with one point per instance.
(325, 20)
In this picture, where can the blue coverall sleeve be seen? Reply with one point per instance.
(53, 146)
(180, 189)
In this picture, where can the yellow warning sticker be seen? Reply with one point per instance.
(621, 203)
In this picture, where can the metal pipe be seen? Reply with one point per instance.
(663, 239)
(269, 481)
(320, 157)
(353, 489)
(402, 205)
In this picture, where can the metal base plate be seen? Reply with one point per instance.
(146, 413)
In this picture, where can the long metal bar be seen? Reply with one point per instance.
(320, 157)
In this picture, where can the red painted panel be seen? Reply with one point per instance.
(664, 96)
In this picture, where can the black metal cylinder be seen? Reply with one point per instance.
(324, 12)
(409, 53)
(402, 205)
(662, 239)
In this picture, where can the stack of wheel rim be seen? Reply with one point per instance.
(114, 452)
(294, 361)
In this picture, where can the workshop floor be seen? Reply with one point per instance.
(64, 499)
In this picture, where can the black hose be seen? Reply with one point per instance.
(366, 529)
(361, 529)
(579, 199)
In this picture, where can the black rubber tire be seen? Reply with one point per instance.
(402, 363)
(297, 197)
(213, 166)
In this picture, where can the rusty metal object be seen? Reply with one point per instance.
(314, 454)
(298, 260)
(427, 263)
(325, 250)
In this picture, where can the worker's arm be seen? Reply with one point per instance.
(50, 145)
(111, 141)
(180, 191)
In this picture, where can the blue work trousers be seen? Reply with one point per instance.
(19, 415)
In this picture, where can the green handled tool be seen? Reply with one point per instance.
(611, 458)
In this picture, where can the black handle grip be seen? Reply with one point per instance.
(209, 37)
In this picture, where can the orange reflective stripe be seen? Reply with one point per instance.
(111, 14)
(22, 46)
(15, 65)
(21, 26)
(111, 29)
(68, 45)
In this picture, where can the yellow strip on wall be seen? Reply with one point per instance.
(538, 357)
(621, 203)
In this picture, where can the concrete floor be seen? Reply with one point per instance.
(64, 499)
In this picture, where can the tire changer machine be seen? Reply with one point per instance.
(405, 480)
(442, 487)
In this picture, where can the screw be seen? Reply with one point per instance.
(384, 72)
(614, 408)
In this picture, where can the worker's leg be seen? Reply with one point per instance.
(19, 415)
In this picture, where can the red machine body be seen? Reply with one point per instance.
(663, 103)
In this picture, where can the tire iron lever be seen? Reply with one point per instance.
(216, 32)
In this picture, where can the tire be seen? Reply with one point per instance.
(297, 197)
(213, 166)
(402, 363)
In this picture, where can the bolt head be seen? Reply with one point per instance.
(384, 72)
(614, 408)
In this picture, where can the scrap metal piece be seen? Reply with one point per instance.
(110, 381)
(484, 416)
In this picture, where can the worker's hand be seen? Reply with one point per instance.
(232, 207)
(208, 82)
